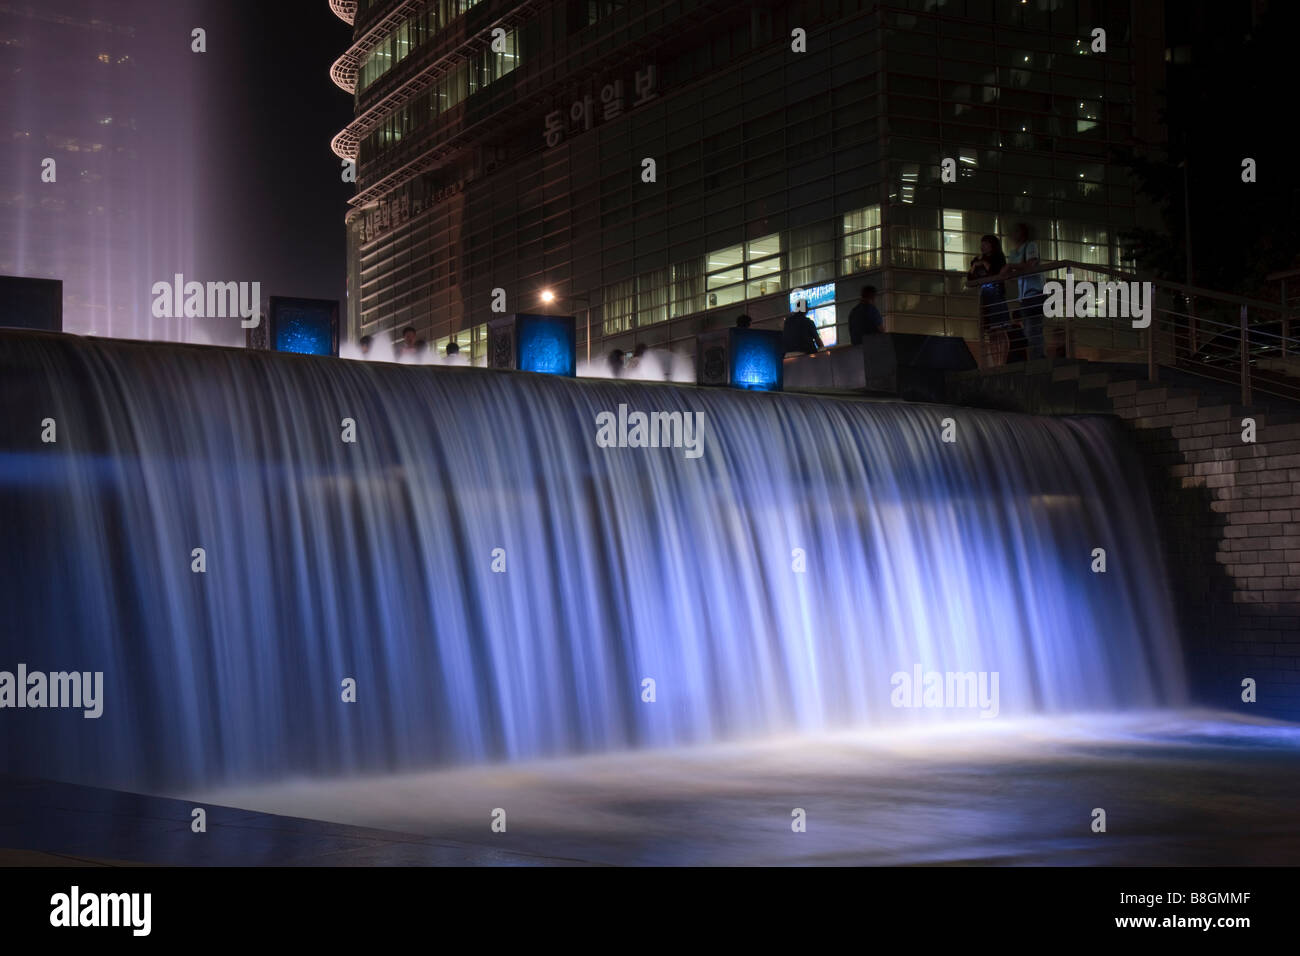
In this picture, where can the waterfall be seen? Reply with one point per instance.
(500, 585)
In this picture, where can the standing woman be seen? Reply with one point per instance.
(994, 315)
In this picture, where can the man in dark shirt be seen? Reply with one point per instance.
(865, 319)
(799, 333)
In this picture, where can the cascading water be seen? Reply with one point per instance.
(374, 561)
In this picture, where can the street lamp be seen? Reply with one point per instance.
(548, 296)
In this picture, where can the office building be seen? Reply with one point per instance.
(798, 150)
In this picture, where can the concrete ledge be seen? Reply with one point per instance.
(890, 363)
(838, 368)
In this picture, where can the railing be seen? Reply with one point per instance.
(345, 10)
(347, 142)
(347, 68)
(1231, 339)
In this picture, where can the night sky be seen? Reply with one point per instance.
(216, 165)
(274, 185)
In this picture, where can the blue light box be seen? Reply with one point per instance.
(756, 359)
(304, 326)
(533, 343)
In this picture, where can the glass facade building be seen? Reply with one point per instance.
(505, 146)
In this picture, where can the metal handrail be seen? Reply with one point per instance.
(1192, 290)
(345, 70)
(1179, 339)
(347, 141)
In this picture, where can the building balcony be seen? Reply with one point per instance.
(345, 10)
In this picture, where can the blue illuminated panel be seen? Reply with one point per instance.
(546, 344)
(756, 356)
(304, 326)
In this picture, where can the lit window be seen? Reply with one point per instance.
(763, 268)
(910, 175)
(652, 297)
(688, 287)
(758, 261)
(620, 307)
(1088, 115)
(861, 236)
(726, 273)
(954, 241)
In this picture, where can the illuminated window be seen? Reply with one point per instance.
(956, 254)
(652, 297)
(1088, 115)
(812, 254)
(478, 346)
(861, 237)
(726, 276)
(746, 271)
(688, 288)
(962, 231)
(498, 65)
(453, 89)
(909, 177)
(763, 266)
(1081, 243)
(620, 307)
(412, 34)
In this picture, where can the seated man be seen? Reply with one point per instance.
(799, 333)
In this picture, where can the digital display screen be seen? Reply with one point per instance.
(816, 296)
(824, 319)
